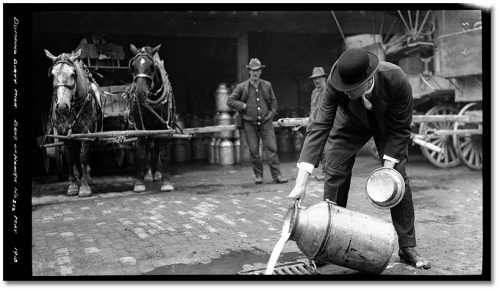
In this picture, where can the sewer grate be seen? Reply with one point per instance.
(290, 268)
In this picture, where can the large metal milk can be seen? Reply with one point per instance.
(332, 234)
(217, 151)
(237, 151)
(181, 151)
(211, 151)
(284, 142)
(221, 95)
(199, 149)
(298, 141)
(225, 119)
(226, 152)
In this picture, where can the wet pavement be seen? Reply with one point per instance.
(218, 221)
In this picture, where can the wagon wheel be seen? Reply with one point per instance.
(448, 157)
(469, 147)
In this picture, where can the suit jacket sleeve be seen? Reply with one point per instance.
(319, 125)
(234, 100)
(400, 114)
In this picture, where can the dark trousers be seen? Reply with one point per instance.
(265, 132)
(338, 181)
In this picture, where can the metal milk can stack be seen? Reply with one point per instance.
(284, 143)
(181, 147)
(211, 151)
(329, 233)
(298, 141)
(237, 151)
(223, 147)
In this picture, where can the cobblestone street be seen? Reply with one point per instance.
(218, 221)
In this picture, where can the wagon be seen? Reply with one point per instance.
(454, 123)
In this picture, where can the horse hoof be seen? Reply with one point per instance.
(138, 187)
(157, 176)
(167, 187)
(149, 176)
(84, 191)
(72, 189)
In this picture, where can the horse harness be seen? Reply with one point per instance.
(75, 103)
(131, 90)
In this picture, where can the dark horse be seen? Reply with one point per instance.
(152, 107)
(75, 108)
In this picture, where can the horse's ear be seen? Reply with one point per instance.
(49, 55)
(134, 49)
(155, 50)
(75, 55)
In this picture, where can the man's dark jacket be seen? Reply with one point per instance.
(239, 96)
(392, 114)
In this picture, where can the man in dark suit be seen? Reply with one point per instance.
(255, 101)
(363, 97)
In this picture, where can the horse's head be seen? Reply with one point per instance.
(64, 72)
(142, 67)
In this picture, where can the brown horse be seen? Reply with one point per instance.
(152, 107)
(75, 108)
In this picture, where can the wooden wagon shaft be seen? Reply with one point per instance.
(447, 118)
(52, 145)
(209, 129)
(419, 140)
(62, 137)
(455, 132)
(174, 136)
(291, 122)
(111, 134)
(114, 140)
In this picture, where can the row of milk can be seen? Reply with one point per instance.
(289, 141)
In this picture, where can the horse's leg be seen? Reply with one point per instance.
(165, 184)
(156, 163)
(77, 164)
(70, 159)
(149, 158)
(140, 159)
(84, 159)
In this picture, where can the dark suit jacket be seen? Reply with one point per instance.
(239, 96)
(392, 111)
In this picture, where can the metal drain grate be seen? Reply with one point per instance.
(290, 268)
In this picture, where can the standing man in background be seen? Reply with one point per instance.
(255, 101)
(318, 77)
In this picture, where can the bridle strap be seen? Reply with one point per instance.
(146, 76)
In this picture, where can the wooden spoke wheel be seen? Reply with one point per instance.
(449, 156)
(470, 146)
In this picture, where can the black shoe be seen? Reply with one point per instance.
(410, 256)
(280, 179)
(320, 263)
(258, 179)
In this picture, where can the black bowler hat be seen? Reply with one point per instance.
(354, 67)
